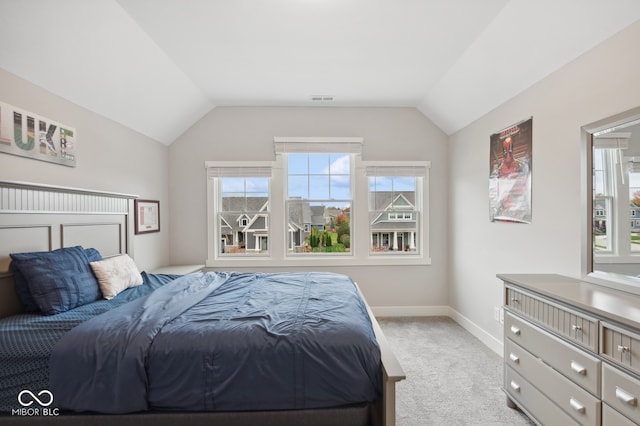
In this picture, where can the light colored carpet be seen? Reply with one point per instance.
(452, 377)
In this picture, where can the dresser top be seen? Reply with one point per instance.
(613, 304)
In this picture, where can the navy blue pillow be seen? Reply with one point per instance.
(93, 254)
(21, 286)
(58, 280)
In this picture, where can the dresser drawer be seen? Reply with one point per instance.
(533, 401)
(574, 363)
(620, 346)
(621, 391)
(575, 401)
(576, 326)
(612, 417)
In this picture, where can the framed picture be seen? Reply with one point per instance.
(147, 216)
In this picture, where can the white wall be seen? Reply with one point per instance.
(247, 134)
(601, 83)
(111, 157)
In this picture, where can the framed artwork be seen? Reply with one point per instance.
(510, 173)
(26, 134)
(147, 216)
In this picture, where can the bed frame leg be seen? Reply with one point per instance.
(389, 410)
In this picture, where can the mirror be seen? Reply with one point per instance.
(611, 192)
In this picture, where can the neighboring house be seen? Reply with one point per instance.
(394, 225)
(600, 216)
(331, 214)
(299, 225)
(318, 218)
(244, 224)
(245, 227)
(635, 218)
(304, 217)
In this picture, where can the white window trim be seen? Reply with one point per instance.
(218, 169)
(327, 145)
(618, 212)
(405, 168)
(360, 231)
(352, 165)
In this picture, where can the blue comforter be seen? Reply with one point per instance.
(223, 342)
(27, 340)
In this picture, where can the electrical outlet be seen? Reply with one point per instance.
(501, 315)
(496, 313)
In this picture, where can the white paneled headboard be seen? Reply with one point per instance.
(36, 217)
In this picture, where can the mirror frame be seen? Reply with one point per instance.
(608, 279)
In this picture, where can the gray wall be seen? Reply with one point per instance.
(247, 134)
(111, 157)
(466, 249)
(601, 83)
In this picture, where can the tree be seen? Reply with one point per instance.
(345, 239)
(326, 239)
(343, 226)
(314, 238)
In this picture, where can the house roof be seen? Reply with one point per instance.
(385, 200)
(244, 204)
(234, 208)
(128, 60)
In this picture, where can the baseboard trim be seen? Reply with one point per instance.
(410, 311)
(429, 311)
(491, 342)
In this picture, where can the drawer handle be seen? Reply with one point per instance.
(577, 368)
(576, 405)
(623, 349)
(626, 397)
(515, 386)
(513, 357)
(515, 330)
(575, 327)
(514, 300)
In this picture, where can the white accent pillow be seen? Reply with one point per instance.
(115, 274)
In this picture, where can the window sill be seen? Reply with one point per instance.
(177, 269)
(324, 261)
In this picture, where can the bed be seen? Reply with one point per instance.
(307, 380)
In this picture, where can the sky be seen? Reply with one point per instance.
(319, 177)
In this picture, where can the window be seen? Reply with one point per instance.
(603, 191)
(239, 196)
(319, 194)
(400, 216)
(395, 205)
(634, 202)
(616, 197)
(317, 204)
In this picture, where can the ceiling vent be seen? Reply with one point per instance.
(321, 98)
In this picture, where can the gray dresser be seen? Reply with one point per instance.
(571, 350)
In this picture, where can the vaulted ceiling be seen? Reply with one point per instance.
(158, 66)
